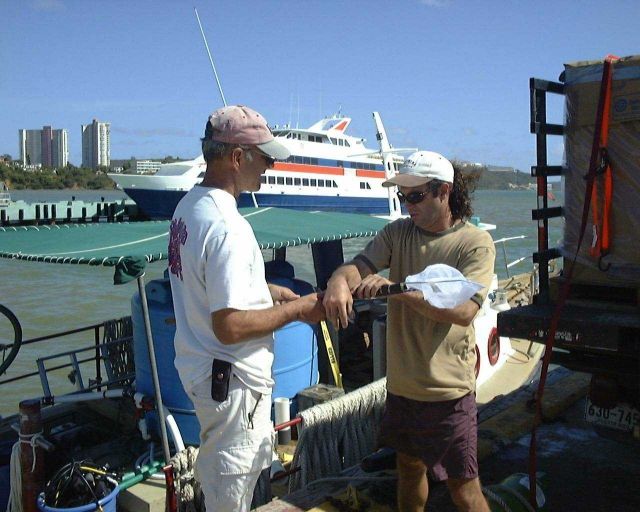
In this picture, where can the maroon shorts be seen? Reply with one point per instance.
(444, 435)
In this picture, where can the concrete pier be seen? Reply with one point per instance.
(19, 213)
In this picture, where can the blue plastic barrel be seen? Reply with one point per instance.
(107, 504)
(163, 330)
(295, 365)
(295, 361)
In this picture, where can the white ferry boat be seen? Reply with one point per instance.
(327, 170)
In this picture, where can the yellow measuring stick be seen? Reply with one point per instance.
(333, 360)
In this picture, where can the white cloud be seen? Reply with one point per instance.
(48, 5)
(172, 132)
(435, 3)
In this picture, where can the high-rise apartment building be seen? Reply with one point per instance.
(46, 147)
(59, 149)
(96, 144)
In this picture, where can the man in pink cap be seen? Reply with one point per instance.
(225, 310)
(430, 415)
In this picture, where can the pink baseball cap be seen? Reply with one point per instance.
(237, 124)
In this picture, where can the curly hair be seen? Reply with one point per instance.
(460, 196)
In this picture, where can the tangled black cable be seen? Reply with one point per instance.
(78, 483)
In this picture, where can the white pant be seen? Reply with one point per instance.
(236, 443)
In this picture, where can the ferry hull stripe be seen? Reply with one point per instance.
(363, 173)
(313, 169)
(160, 204)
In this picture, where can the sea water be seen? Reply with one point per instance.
(50, 298)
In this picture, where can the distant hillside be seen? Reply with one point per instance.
(500, 178)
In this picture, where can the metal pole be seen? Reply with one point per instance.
(213, 66)
(154, 369)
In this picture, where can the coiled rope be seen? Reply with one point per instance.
(337, 434)
(15, 470)
(188, 490)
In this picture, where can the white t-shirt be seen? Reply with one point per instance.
(215, 263)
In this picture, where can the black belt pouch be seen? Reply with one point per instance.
(220, 377)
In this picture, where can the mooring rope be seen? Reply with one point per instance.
(188, 490)
(15, 469)
(337, 434)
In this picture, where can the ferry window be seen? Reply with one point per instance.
(340, 163)
(346, 143)
(288, 181)
(321, 183)
(340, 142)
(280, 180)
(314, 161)
(334, 140)
(306, 160)
(296, 181)
(334, 184)
(362, 185)
(263, 179)
(313, 182)
(272, 180)
(305, 182)
(368, 187)
(353, 165)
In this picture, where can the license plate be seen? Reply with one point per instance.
(621, 417)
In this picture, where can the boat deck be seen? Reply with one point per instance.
(503, 423)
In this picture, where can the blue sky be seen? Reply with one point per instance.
(448, 76)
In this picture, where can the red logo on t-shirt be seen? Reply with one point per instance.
(177, 237)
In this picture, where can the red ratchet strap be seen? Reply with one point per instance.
(598, 157)
(601, 243)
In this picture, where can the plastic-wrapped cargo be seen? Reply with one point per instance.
(582, 89)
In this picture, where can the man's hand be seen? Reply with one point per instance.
(311, 308)
(370, 285)
(338, 302)
(281, 294)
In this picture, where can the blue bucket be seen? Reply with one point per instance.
(108, 504)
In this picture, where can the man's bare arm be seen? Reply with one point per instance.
(236, 326)
(460, 315)
(338, 297)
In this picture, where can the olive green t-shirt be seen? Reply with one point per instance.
(428, 360)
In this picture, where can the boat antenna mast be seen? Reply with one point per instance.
(387, 161)
(215, 73)
(213, 66)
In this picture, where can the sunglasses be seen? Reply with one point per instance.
(268, 159)
(412, 197)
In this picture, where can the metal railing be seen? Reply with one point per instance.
(104, 347)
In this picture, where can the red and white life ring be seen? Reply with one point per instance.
(493, 346)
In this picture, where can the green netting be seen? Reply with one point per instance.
(129, 246)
